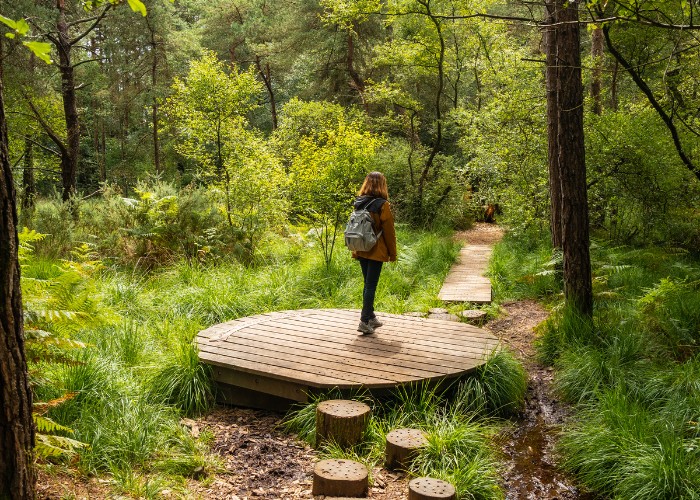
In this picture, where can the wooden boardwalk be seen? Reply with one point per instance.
(269, 359)
(466, 281)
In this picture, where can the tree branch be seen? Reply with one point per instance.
(45, 148)
(47, 128)
(652, 100)
(97, 20)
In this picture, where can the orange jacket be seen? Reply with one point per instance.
(385, 249)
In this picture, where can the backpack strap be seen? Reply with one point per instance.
(382, 201)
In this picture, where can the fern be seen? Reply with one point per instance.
(49, 445)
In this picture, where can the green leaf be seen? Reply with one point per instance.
(21, 27)
(10, 35)
(41, 49)
(9, 22)
(138, 6)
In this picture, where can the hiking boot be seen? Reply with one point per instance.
(365, 328)
(374, 323)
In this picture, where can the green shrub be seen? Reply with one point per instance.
(498, 387)
(458, 452)
(185, 383)
(524, 266)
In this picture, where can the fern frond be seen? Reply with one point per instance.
(616, 268)
(49, 446)
(46, 425)
(41, 408)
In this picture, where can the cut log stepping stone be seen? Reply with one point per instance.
(428, 488)
(402, 446)
(474, 316)
(340, 478)
(341, 421)
(415, 314)
(443, 316)
(438, 310)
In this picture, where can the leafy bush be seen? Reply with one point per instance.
(498, 387)
(185, 383)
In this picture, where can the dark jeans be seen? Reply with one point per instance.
(371, 269)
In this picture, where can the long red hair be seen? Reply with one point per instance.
(375, 185)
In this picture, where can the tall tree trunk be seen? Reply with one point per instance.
(154, 104)
(567, 100)
(597, 43)
(17, 480)
(267, 80)
(69, 159)
(357, 83)
(28, 184)
(551, 72)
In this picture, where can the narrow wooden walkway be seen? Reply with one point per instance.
(289, 354)
(466, 281)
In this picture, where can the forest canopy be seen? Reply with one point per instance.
(240, 97)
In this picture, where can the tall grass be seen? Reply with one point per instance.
(498, 387)
(139, 373)
(632, 373)
(460, 432)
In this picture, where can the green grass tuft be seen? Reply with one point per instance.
(185, 383)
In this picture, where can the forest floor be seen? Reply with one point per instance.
(257, 459)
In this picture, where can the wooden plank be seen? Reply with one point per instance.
(259, 383)
(448, 333)
(284, 343)
(367, 346)
(465, 281)
(429, 347)
(317, 369)
(274, 372)
(287, 353)
(240, 396)
(449, 330)
(334, 366)
(380, 366)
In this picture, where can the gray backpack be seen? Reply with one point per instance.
(359, 231)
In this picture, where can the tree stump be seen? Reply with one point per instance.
(340, 478)
(474, 316)
(402, 446)
(341, 421)
(428, 488)
(438, 310)
(443, 316)
(415, 314)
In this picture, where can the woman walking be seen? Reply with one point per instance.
(373, 197)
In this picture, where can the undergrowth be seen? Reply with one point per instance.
(632, 375)
(123, 364)
(460, 429)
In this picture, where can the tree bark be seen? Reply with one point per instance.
(597, 42)
(17, 479)
(267, 80)
(567, 154)
(154, 104)
(551, 72)
(69, 159)
(28, 184)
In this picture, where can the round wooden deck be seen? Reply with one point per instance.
(288, 353)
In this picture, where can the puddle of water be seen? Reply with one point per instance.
(532, 473)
